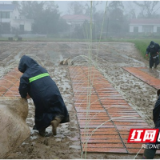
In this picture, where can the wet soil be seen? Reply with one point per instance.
(110, 58)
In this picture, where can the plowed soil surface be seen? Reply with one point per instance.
(111, 57)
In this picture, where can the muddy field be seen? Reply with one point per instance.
(110, 58)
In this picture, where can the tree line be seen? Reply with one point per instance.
(45, 14)
(115, 18)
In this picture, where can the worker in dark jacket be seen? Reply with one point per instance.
(153, 49)
(149, 153)
(49, 105)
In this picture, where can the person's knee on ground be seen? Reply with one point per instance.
(55, 122)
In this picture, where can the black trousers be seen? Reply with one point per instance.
(153, 61)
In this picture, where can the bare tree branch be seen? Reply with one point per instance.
(148, 8)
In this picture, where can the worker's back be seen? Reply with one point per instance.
(36, 82)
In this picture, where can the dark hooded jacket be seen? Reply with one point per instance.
(153, 48)
(156, 112)
(44, 92)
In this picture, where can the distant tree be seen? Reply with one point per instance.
(130, 10)
(75, 7)
(149, 9)
(116, 20)
(50, 5)
(131, 14)
(45, 15)
(62, 25)
(88, 8)
(97, 18)
(30, 9)
(43, 23)
(85, 30)
(15, 3)
(114, 5)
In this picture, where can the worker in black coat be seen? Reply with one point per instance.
(153, 49)
(49, 105)
(149, 153)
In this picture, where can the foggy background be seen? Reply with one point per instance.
(78, 19)
(100, 6)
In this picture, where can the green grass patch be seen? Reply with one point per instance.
(140, 44)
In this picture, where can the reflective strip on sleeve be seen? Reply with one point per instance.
(38, 77)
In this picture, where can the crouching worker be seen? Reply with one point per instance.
(150, 152)
(49, 105)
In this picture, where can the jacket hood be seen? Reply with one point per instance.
(25, 63)
(152, 44)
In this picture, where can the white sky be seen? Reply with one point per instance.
(63, 5)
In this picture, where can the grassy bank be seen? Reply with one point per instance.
(140, 44)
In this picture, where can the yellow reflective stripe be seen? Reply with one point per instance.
(38, 77)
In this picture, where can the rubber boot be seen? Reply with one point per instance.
(43, 133)
(55, 124)
(155, 67)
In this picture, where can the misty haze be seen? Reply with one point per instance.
(76, 77)
(75, 19)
